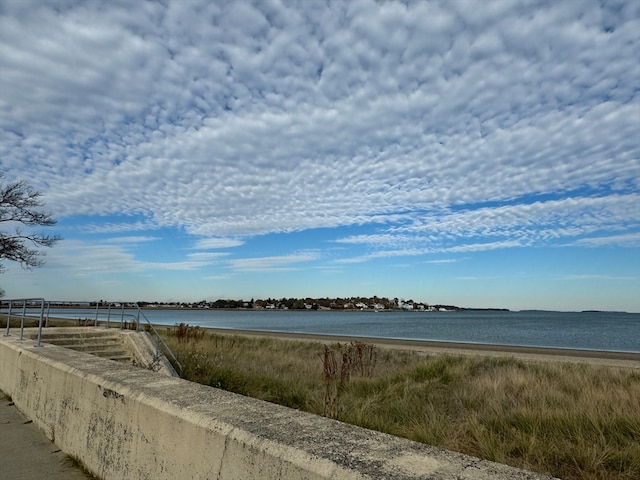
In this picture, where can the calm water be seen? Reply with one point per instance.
(594, 331)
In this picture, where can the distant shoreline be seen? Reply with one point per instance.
(78, 306)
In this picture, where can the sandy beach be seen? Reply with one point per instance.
(596, 357)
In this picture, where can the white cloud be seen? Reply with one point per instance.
(186, 265)
(624, 240)
(214, 243)
(85, 258)
(132, 239)
(378, 239)
(479, 247)
(403, 252)
(443, 260)
(273, 263)
(207, 256)
(450, 128)
(109, 227)
(487, 228)
(89, 258)
(534, 222)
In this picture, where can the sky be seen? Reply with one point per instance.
(479, 154)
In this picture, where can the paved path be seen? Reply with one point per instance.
(26, 453)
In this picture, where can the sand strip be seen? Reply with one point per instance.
(598, 357)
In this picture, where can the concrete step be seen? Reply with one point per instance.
(72, 340)
(78, 336)
(103, 344)
(79, 339)
(123, 346)
(117, 355)
(89, 346)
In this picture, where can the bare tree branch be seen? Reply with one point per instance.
(20, 204)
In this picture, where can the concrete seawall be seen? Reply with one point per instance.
(126, 422)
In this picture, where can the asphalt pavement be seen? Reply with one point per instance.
(26, 453)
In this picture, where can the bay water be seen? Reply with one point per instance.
(609, 331)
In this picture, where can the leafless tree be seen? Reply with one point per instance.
(20, 206)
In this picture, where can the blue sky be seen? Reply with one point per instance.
(483, 154)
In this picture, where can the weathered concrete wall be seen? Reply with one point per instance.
(125, 422)
(143, 350)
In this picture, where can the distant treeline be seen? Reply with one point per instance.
(308, 303)
(351, 303)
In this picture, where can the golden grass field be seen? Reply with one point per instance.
(567, 419)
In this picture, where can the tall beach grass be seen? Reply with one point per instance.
(573, 421)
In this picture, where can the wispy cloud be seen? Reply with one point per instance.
(625, 240)
(443, 260)
(403, 252)
(85, 258)
(480, 247)
(273, 264)
(539, 223)
(207, 256)
(214, 243)
(132, 239)
(184, 266)
(385, 239)
(118, 227)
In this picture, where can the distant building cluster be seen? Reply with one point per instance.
(352, 303)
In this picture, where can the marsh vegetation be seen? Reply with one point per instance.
(573, 421)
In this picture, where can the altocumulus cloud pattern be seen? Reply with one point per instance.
(420, 131)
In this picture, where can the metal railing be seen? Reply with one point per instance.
(161, 347)
(31, 302)
(158, 341)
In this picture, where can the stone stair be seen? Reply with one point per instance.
(95, 342)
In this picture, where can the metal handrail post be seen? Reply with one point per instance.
(95, 324)
(48, 311)
(40, 323)
(7, 334)
(24, 312)
(108, 314)
(157, 343)
(122, 317)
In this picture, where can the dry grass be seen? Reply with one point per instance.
(33, 321)
(573, 421)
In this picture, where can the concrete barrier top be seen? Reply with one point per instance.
(122, 420)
